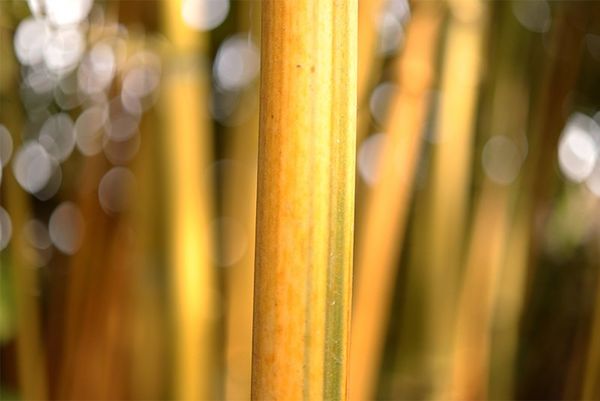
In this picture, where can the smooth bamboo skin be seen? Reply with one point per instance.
(305, 199)
(451, 178)
(383, 224)
(187, 144)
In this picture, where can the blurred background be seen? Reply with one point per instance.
(128, 153)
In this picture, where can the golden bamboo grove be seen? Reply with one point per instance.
(299, 200)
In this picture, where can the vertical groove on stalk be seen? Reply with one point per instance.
(387, 206)
(305, 199)
(188, 148)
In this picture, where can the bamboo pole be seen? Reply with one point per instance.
(451, 177)
(149, 315)
(482, 290)
(239, 198)
(382, 228)
(369, 13)
(240, 204)
(484, 260)
(497, 248)
(305, 199)
(591, 387)
(188, 148)
(500, 321)
(509, 306)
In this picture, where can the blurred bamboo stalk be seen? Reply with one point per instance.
(69, 311)
(474, 313)
(561, 68)
(451, 177)
(85, 314)
(30, 350)
(240, 204)
(500, 321)
(305, 199)
(509, 306)
(383, 225)
(31, 355)
(188, 149)
(369, 67)
(591, 386)
(239, 197)
(501, 284)
(148, 311)
(369, 13)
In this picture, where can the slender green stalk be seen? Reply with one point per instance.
(305, 199)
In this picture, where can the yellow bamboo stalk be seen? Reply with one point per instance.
(451, 173)
(305, 199)
(187, 146)
(382, 227)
